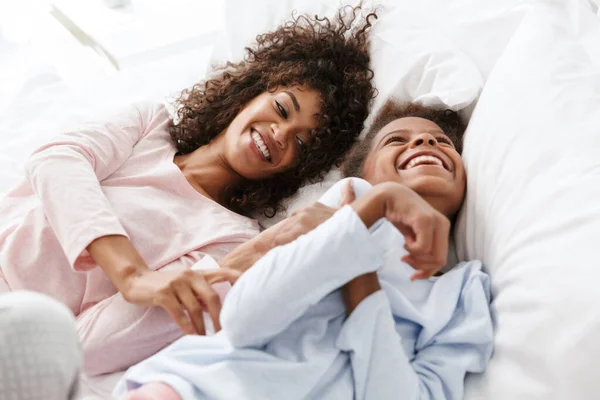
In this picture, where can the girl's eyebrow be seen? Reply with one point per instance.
(431, 131)
(392, 132)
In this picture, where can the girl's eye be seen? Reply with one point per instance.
(300, 141)
(444, 139)
(282, 111)
(393, 139)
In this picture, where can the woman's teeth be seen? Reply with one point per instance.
(261, 145)
(420, 160)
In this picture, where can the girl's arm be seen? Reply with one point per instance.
(301, 273)
(382, 370)
(281, 286)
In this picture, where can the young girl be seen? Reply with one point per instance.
(110, 219)
(337, 313)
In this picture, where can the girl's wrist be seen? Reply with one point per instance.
(358, 289)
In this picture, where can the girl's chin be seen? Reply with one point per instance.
(429, 184)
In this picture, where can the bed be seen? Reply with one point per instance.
(527, 75)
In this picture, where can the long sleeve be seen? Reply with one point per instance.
(463, 343)
(66, 173)
(283, 284)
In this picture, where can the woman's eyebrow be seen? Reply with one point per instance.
(294, 100)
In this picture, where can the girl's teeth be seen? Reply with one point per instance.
(424, 160)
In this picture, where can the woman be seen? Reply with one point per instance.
(122, 210)
(288, 332)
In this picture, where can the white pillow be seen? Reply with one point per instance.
(532, 212)
(411, 61)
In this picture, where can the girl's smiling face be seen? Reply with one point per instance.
(417, 153)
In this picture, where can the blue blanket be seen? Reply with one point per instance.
(286, 334)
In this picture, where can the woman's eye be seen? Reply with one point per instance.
(282, 111)
(395, 139)
(300, 141)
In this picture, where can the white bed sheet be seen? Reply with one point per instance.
(45, 105)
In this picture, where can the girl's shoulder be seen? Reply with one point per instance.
(333, 196)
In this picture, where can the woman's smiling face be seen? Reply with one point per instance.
(268, 134)
(417, 153)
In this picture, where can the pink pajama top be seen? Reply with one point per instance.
(114, 178)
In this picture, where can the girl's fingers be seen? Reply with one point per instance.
(420, 275)
(421, 242)
(422, 264)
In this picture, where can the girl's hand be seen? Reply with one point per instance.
(425, 229)
(184, 294)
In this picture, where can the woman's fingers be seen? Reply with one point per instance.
(211, 300)
(191, 304)
(175, 309)
(348, 195)
(222, 275)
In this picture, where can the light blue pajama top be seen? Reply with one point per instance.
(286, 334)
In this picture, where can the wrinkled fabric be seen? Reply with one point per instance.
(112, 178)
(286, 335)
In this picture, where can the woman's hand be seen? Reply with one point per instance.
(299, 223)
(184, 294)
(425, 229)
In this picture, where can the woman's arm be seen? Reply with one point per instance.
(382, 370)
(65, 174)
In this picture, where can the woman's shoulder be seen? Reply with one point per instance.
(151, 113)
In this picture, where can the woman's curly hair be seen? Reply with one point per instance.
(447, 119)
(329, 56)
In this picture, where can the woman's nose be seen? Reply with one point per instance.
(423, 139)
(280, 135)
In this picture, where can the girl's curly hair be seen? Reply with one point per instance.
(329, 56)
(447, 119)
